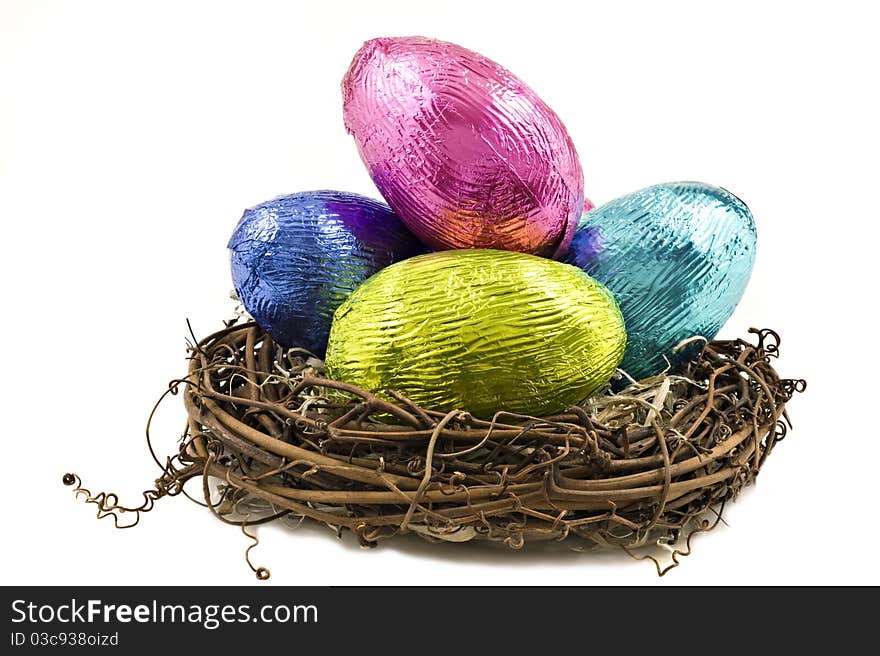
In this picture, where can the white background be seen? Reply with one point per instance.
(132, 136)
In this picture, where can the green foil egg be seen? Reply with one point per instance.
(480, 331)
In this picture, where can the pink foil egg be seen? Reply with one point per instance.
(465, 153)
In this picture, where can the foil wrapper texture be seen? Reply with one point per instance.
(481, 331)
(296, 258)
(677, 257)
(464, 152)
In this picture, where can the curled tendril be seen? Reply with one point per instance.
(768, 340)
(108, 505)
(702, 526)
(261, 573)
(780, 431)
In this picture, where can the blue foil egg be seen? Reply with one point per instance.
(296, 258)
(677, 256)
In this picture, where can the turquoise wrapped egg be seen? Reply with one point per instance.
(480, 331)
(677, 257)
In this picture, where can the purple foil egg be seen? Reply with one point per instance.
(464, 152)
(296, 258)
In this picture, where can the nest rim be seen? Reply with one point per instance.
(572, 476)
(653, 464)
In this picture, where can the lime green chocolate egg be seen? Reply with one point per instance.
(479, 331)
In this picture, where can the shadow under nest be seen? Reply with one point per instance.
(654, 464)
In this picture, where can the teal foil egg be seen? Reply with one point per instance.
(677, 256)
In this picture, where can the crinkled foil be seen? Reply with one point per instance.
(464, 152)
(296, 258)
(481, 331)
(677, 257)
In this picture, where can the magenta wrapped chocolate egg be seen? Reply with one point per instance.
(465, 153)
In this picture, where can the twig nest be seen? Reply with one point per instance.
(626, 469)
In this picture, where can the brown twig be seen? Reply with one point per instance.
(648, 465)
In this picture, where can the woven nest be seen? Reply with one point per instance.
(269, 436)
